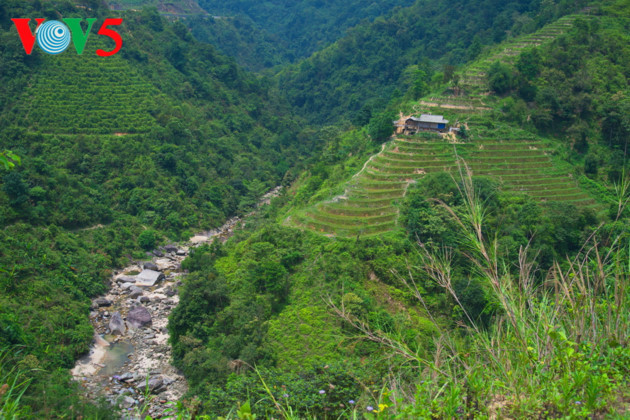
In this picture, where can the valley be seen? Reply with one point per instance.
(404, 210)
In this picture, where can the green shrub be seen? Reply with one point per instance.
(147, 239)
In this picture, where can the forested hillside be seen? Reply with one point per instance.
(263, 34)
(118, 154)
(407, 51)
(476, 274)
(575, 88)
(456, 294)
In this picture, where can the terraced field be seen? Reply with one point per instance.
(368, 205)
(474, 79)
(473, 84)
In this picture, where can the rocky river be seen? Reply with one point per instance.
(129, 361)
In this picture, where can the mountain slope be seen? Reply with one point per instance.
(119, 154)
(373, 61)
(367, 206)
(293, 29)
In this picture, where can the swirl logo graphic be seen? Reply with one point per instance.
(53, 37)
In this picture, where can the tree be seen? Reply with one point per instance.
(528, 63)
(147, 239)
(16, 188)
(381, 126)
(500, 78)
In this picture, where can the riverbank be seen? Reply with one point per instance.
(129, 361)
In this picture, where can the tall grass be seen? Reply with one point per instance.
(13, 385)
(558, 342)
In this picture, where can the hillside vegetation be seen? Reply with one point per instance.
(118, 155)
(367, 205)
(457, 294)
(482, 275)
(408, 50)
(264, 34)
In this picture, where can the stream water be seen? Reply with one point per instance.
(130, 353)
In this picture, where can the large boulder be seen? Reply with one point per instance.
(148, 278)
(126, 286)
(127, 402)
(139, 317)
(117, 325)
(155, 385)
(126, 279)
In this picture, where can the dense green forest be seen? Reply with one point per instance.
(414, 47)
(577, 89)
(168, 137)
(368, 288)
(264, 34)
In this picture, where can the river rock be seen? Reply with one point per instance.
(117, 325)
(164, 264)
(139, 317)
(134, 292)
(101, 302)
(156, 385)
(170, 248)
(126, 279)
(158, 253)
(126, 377)
(150, 266)
(126, 286)
(144, 299)
(148, 278)
(181, 252)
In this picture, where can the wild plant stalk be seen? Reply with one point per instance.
(537, 325)
(622, 194)
(13, 385)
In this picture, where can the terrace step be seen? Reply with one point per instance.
(340, 230)
(351, 221)
(399, 163)
(370, 184)
(380, 176)
(376, 194)
(335, 208)
(368, 203)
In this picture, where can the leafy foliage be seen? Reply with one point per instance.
(262, 35)
(373, 60)
(117, 154)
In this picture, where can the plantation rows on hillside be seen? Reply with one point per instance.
(98, 95)
(475, 77)
(368, 205)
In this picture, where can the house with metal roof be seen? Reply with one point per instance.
(425, 122)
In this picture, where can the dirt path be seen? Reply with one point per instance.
(451, 106)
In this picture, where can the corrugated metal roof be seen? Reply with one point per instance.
(428, 118)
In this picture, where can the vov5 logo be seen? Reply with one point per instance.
(53, 37)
